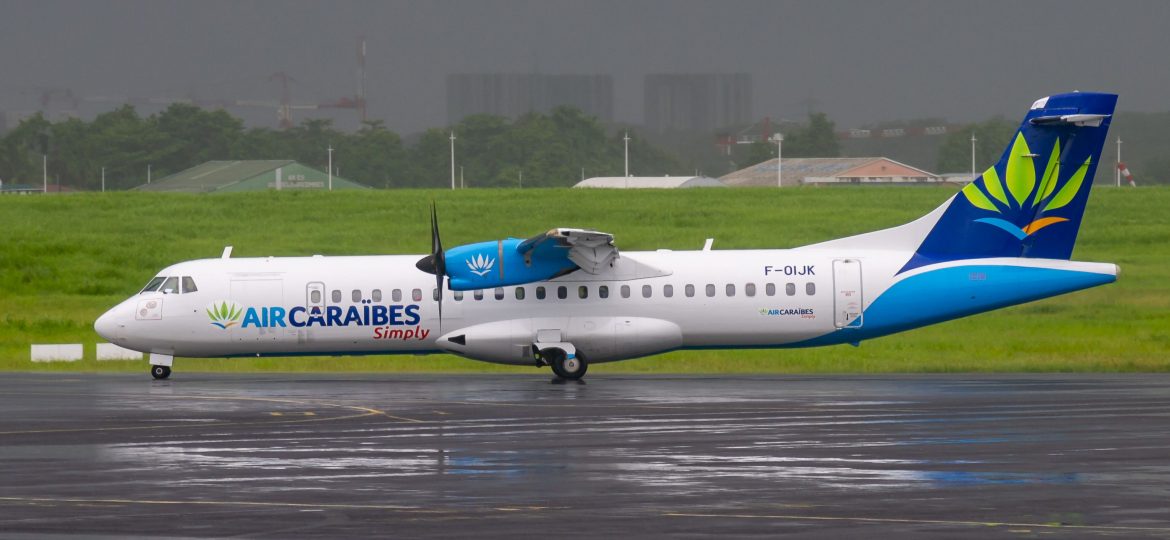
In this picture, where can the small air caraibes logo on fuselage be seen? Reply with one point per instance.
(224, 314)
(480, 264)
(1020, 195)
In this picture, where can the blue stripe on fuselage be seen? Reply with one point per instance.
(950, 293)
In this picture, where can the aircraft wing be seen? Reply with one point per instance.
(591, 251)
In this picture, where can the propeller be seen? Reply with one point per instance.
(436, 262)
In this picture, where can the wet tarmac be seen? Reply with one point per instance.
(332, 456)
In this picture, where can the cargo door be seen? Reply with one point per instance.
(265, 317)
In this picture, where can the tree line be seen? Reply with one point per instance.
(546, 149)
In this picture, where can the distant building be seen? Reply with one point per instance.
(699, 102)
(831, 171)
(254, 175)
(512, 95)
(649, 182)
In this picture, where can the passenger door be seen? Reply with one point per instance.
(847, 294)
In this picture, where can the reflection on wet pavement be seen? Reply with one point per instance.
(927, 455)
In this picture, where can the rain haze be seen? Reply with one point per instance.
(860, 62)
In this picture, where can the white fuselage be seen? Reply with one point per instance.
(757, 298)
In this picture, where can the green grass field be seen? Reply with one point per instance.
(65, 259)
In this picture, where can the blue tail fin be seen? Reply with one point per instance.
(1029, 204)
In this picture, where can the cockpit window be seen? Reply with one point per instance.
(153, 285)
(170, 286)
(189, 285)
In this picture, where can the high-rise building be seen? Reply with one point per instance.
(701, 102)
(515, 94)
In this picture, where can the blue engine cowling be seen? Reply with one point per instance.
(499, 263)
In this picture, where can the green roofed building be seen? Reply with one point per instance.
(253, 175)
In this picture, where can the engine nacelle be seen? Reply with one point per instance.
(597, 339)
(498, 263)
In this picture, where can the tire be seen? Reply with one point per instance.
(555, 359)
(570, 368)
(160, 372)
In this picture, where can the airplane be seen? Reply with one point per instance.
(568, 298)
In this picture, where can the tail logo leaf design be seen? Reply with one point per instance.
(224, 314)
(1021, 194)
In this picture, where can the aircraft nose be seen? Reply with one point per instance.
(107, 325)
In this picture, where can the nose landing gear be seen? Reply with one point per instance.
(160, 365)
(160, 372)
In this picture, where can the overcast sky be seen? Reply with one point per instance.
(862, 61)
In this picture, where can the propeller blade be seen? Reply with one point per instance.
(437, 261)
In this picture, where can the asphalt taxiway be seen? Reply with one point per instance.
(334, 456)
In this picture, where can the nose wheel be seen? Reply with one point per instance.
(160, 372)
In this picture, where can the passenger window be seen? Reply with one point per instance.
(603, 291)
(810, 288)
(749, 289)
(562, 292)
(458, 296)
(770, 289)
(690, 290)
(790, 289)
(435, 294)
(730, 290)
(540, 293)
(416, 295)
(710, 290)
(625, 291)
(356, 296)
(396, 294)
(519, 293)
(336, 296)
(189, 285)
(171, 285)
(499, 293)
(647, 291)
(315, 297)
(478, 294)
(583, 292)
(153, 284)
(668, 291)
(376, 295)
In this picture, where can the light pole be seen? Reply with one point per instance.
(103, 179)
(329, 149)
(45, 172)
(779, 139)
(452, 160)
(972, 156)
(627, 141)
(147, 173)
(1118, 167)
(461, 185)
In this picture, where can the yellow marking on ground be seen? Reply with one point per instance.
(857, 519)
(363, 412)
(309, 413)
(441, 413)
(276, 414)
(265, 504)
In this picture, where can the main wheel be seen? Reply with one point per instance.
(569, 368)
(160, 372)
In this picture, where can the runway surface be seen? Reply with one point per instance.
(453, 456)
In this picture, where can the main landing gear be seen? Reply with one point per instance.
(564, 366)
(160, 372)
